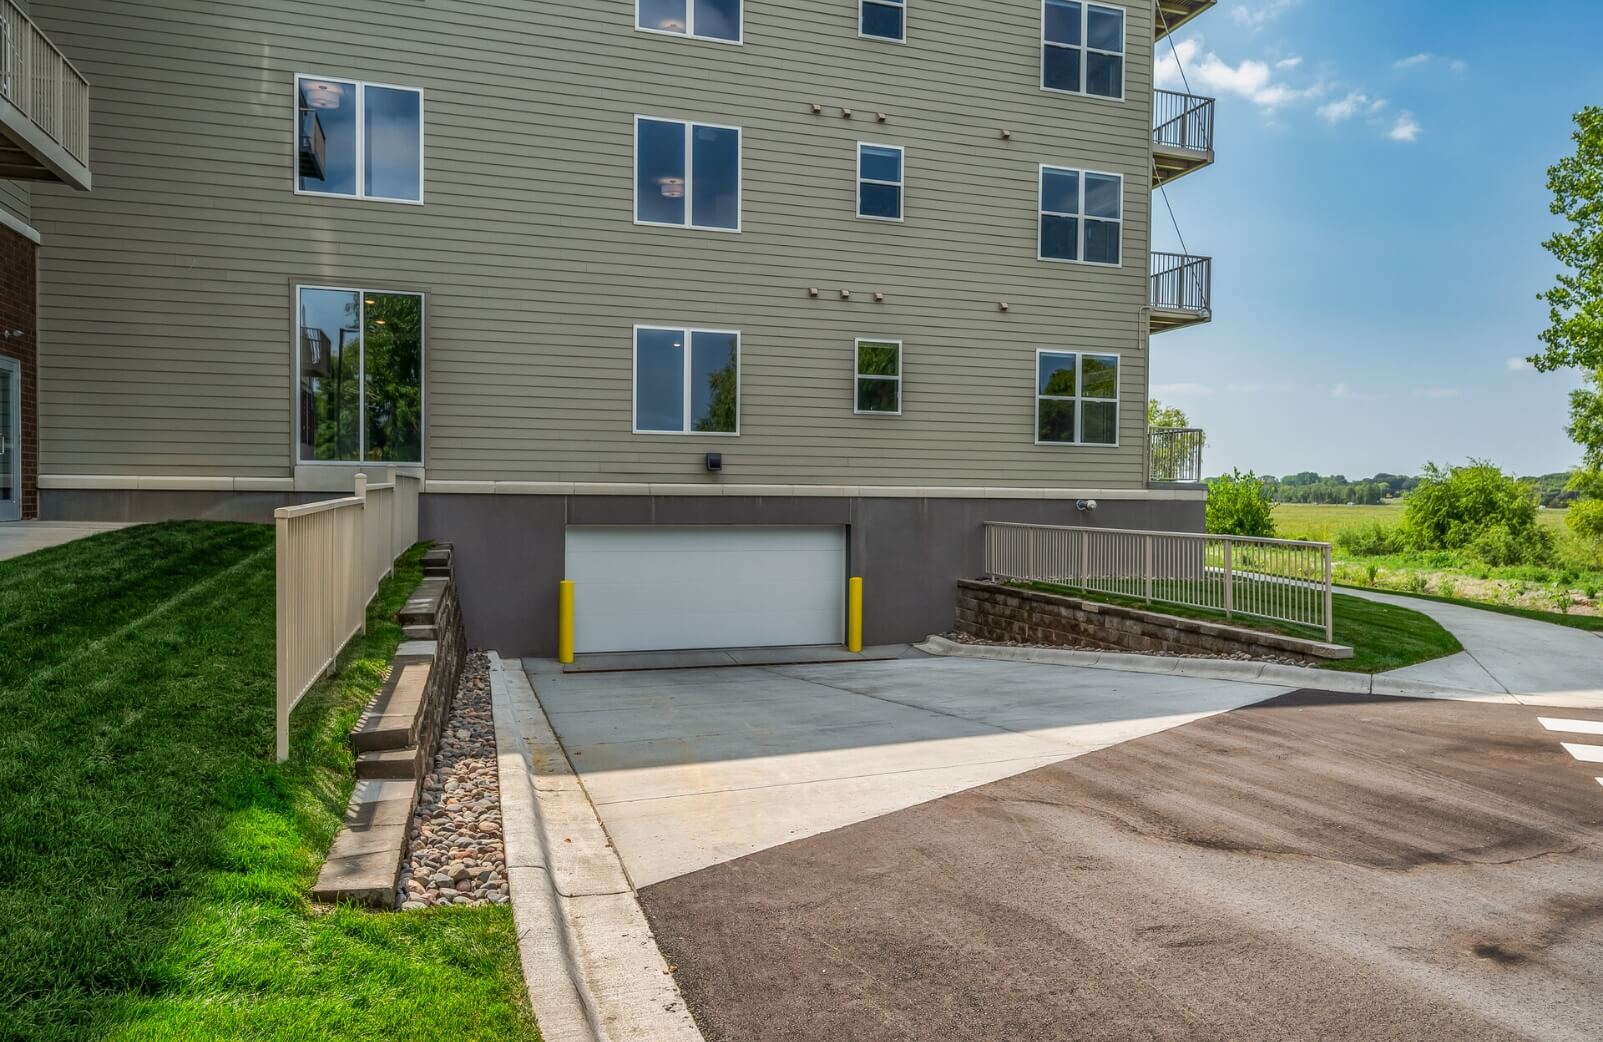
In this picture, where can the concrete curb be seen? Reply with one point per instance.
(1271, 674)
(592, 967)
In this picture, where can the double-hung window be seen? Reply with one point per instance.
(687, 381)
(879, 378)
(883, 19)
(1082, 48)
(1081, 216)
(706, 19)
(1076, 398)
(687, 174)
(359, 375)
(358, 140)
(879, 182)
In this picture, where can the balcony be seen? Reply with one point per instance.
(1175, 455)
(1169, 15)
(1182, 135)
(44, 106)
(1182, 291)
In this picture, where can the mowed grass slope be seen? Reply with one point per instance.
(154, 862)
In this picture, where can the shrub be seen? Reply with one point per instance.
(1447, 587)
(1371, 574)
(1476, 508)
(1585, 519)
(1371, 540)
(1415, 583)
(1238, 504)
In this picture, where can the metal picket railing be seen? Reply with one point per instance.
(1282, 580)
(1182, 121)
(43, 85)
(1175, 454)
(332, 556)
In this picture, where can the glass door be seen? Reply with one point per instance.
(10, 440)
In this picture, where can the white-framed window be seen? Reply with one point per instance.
(1076, 398)
(358, 140)
(686, 381)
(883, 20)
(719, 20)
(880, 176)
(878, 377)
(1082, 48)
(1082, 216)
(358, 375)
(687, 175)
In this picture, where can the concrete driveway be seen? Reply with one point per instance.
(24, 537)
(689, 768)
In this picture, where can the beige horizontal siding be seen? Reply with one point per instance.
(166, 310)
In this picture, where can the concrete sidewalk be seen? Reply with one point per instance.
(1503, 653)
(24, 537)
(692, 767)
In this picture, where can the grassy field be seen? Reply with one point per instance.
(1321, 522)
(1382, 636)
(155, 862)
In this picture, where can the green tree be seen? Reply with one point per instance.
(1478, 509)
(1239, 504)
(1160, 416)
(723, 398)
(1574, 337)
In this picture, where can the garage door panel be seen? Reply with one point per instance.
(657, 588)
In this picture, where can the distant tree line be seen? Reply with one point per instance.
(1553, 490)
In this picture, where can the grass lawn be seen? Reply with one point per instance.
(1382, 636)
(1321, 521)
(155, 862)
(1592, 623)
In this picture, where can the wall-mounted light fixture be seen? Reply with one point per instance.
(1085, 504)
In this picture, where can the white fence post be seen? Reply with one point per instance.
(1230, 581)
(286, 652)
(1147, 569)
(1330, 602)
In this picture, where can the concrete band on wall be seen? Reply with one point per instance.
(509, 549)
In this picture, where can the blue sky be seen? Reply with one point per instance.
(1376, 216)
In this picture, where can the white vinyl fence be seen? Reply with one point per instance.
(332, 555)
(1278, 579)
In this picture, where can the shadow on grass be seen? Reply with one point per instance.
(154, 861)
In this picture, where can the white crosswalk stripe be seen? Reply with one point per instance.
(1584, 753)
(1571, 726)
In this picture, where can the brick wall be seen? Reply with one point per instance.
(19, 310)
(994, 612)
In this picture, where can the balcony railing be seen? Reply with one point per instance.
(41, 84)
(1182, 290)
(1176, 455)
(1182, 121)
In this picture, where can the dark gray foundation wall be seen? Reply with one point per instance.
(508, 552)
(910, 552)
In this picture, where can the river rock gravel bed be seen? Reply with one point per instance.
(454, 848)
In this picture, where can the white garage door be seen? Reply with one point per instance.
(706, 586)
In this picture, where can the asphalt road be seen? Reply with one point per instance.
(1315, 867)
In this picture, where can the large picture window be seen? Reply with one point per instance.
(706, 19)
(1082, 48)
(359, 375)
(1081, 216)
(358, 140)
(687, 174)
(687, 381)
(1076, 398)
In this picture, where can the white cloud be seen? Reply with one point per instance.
(1271, 388)
(1406, 128)
(1345, 108)
(1346, 393)
(1182, 390)
(1414, 61)
(1255, 18)
(1250, 79)
(1437, 394)
(1287, 64)
(1516, 364)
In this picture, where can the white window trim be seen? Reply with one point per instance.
(361, 399)
(690, 176)
(690, 26)
(901, 369)
(361, 141)
(1041, 212)
(634, 378)
(901, 185)
(862, 19)
(1078, 399)
(1085, 48)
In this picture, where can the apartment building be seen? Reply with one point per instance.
(702, 304)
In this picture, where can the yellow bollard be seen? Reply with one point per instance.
(854, 615)
(565, 622)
